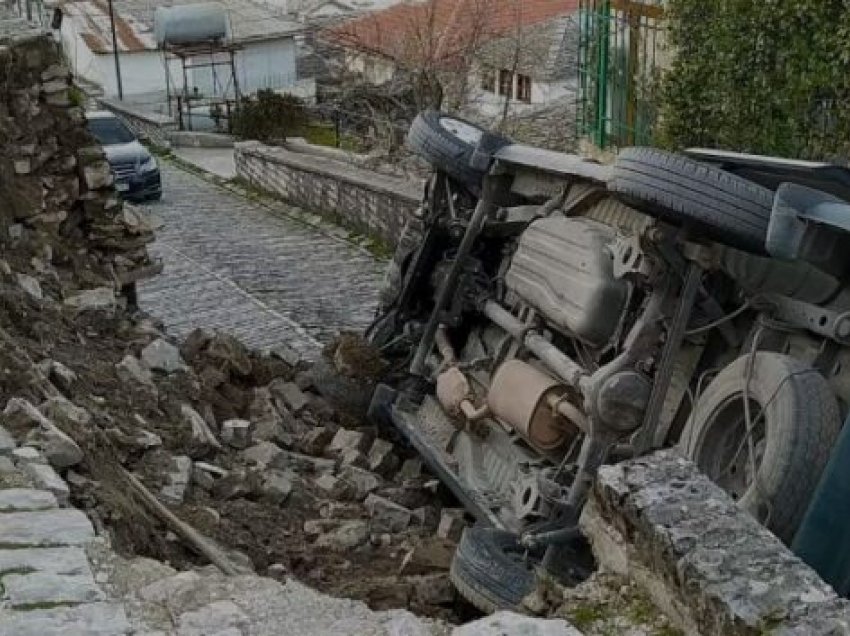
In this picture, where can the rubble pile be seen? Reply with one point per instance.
(239, 445)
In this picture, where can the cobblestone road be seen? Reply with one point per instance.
(234, 265)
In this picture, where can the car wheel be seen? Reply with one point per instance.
(720, 205)
(450, 144)
(492, 570)
(773, 470)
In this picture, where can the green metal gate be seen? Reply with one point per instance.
(620, 57)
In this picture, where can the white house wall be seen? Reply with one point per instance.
(141, 73)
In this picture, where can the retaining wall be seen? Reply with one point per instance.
(361, 199)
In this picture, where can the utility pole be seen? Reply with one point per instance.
(115, 52)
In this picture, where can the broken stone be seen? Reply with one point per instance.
(20, 417)
(177, 481)
(452, 524)
(411, 469)
(362, 482)
(429, 555)
(161, 355)
(277, 571)
(434, 589)
(147, 440)
(332, 486)
(427, 516)
(346, 439)
(382, 459)
(268, 424)
(339, 510)
(62, 410)
(236, 433)
(45, 477)
(59, 449)
(276, 486)
(504, 622)
(60, 375)
(233, 486)
(16, 231)
(353, 457)
(131, 370)
(315, 440)
(99, 299)
(303, 463)
(346, 536)
(203, 439)
(409, 497)
(289, 393)
(287, 354)
(262, 455)
(225, 348)
(31, 286)
(386, 516)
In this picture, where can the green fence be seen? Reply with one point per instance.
(620, 56)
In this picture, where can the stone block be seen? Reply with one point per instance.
(7, 444)
(315, 440)
(45, 528)
(503, 622)
(47, 588)
(346, 439)
(22, 499)
(56, 560)
(332, 487)
(276, 486)
(346, 535)
(91, 619)
(263, 454)
(382, 458)
(45, 477)
(177, 481)
(98, 299)
(237, 433)
(385, 515)
(362, 482)
(452, 523)
(294, 398)
(161, 355)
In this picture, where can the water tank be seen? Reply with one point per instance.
(191, 24)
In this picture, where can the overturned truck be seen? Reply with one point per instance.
(546, 314)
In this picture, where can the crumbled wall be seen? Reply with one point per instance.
(56, 196)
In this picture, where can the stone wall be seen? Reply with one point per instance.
(361, 199)
(57, 203)
(706, 563)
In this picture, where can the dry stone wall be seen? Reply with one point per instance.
(56, 193)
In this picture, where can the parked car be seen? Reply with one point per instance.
(546, 314)
(136, 170)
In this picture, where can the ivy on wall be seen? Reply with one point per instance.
(766, 76)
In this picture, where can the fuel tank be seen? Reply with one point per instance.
(563, 268)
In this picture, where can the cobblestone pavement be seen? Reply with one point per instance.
(232, 264)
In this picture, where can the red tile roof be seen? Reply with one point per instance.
(443, 29)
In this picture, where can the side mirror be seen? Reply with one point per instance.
(143, 138)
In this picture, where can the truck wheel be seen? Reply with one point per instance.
(794, 425)
(449, 144)
(492, 571)
(723, 206)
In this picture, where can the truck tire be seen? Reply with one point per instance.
(723, 206)
(450, 143)
(489, 570)
(792, 442)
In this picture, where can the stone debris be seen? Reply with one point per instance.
(131, 370)
(45, 477)
(177, 480)
(344, 535)
(347, 440)
(30, 285)
(503, 623)
(386, 516)
(99, 299)
(237, 433)
(452, 524)
(162, 356)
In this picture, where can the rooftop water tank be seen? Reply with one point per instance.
(191, 24)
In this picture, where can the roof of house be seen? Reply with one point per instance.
(134, 22)
(446, 27)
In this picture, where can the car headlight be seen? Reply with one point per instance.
(149, 165)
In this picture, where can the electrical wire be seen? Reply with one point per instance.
(719, 321)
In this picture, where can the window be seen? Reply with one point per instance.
(523, 88)
(488, 79)
(506, 83)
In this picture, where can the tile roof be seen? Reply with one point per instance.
(445, 27)
(134, 22)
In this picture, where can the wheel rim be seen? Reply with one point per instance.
(463, 131)
(726, 453)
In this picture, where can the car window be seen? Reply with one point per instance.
(109, 131)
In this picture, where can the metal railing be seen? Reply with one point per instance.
(619, 65)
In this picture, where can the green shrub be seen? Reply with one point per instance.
(767, 77)
(269, 117)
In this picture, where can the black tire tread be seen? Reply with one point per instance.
(678, 189)
(807, 426)
(484, 576)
